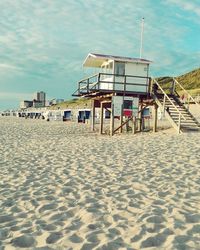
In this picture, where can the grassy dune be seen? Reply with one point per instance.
(190, 81)
(74, 103)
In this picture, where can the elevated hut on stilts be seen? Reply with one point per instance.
(121, 87)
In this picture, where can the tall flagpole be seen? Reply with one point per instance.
(141, 37)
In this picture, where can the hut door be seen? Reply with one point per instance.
(119, 75)
(106, 76)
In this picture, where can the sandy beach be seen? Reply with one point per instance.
(63, 187)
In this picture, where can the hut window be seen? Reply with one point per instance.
(128, 104)
(120, 69)
(111, 67)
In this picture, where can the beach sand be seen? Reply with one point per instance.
(63, 187)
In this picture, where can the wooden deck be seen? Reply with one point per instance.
(104, 83)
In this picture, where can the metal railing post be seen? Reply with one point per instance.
(113, 75)
(79, 88)
(125, 83)
(148, 83)
(164, 100)
(88, 85)
(179, 123)
(99, 79)
(174, 87)
(188, 106)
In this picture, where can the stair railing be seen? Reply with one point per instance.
(179, 123)
(164, 100)
(189, 97)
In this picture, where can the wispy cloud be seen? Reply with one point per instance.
(5, 66)
(44, 43)
(192, 6)
(15, 96)
(10, 100)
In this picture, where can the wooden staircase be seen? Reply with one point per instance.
(174, 109)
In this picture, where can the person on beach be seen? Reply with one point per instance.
(155, 88)
(167, 109)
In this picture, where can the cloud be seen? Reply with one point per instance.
(15, 95)
(192, 6)
(11, 100)
(44, 43)
(5, 66)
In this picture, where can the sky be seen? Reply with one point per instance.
(43, 43)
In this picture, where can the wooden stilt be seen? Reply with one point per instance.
(140, 118)
(121, 119)
(134, 125)
(101, 119)
(155, 118)
(127, 125)
(112, 120)
(143, 125)
(93, 116)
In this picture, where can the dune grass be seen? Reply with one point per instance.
(190, 81)
(73, 103)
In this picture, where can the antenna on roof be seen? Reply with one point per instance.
(141, 37)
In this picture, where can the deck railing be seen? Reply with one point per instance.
(187, 98)
(112, 83)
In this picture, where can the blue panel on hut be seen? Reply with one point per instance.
(67, 115)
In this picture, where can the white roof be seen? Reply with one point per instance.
(84, 109)
(96, 60)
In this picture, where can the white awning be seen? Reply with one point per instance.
(96, 60)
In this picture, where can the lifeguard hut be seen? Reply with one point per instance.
(121, 86)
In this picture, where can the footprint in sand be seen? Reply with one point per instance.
(154, 241)
(114, 245)
(195, 231)
(24, 241)
(92, 237)
(6, 218)
(50, 206)
(89, 246)
(156, 219)
(54, 237)
(75, 238)
(48, 227)
(155, 229)
(75, 225)
(180, 242)
(4, 234)
(192, 218)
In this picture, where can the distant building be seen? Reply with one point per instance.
(26, 104)
(37, 104)
(40, 97)
(39, 101)
(57, 101)
(47, 103)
